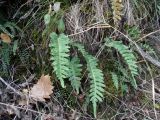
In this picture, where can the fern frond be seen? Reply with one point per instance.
(97, 84)
(115, 80)
(59, 46)
(3, 29)
(75, 73)
(12, 25)
(15, 47)
(10, 29)
(133, 32)
(24, 56)
(148, 48)
(124, 87)
(127, 55)
(117, 10)
(5, 57)
(80, 48)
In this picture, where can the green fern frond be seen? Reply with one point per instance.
(80, 48)
(10, 29)
(24, 57)
(127, 55)
(124, 87)
(59, 46)
(75, 73)
(3, 29)
(148, 48)
(97, 85)
(133, 32)
(96, 82)
(12, 26)
(115, 80)
(15, 47)
(5, 57)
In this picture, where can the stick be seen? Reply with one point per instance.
(16, 91)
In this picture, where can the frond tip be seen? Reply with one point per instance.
(59, 46)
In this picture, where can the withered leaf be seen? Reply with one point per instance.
(42, 89)
(5, 38)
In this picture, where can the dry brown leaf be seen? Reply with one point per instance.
(5, 38)
(42, 89)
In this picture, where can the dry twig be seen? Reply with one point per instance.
(16, 91)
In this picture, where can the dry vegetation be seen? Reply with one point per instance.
(79, 60)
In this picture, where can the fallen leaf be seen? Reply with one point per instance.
(42, 89)
(5, 38)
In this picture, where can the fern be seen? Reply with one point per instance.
(3, 29)
(115, 79)
(117, 10)
(96, 78)
(5, 57)
(133, 32)
(81, 49)
(97, 82)
(148, 48)
(127, 55)
(75, 73)
(124, 87)
(24, 57)
(59, 46)
(15, 47)
(10, 28)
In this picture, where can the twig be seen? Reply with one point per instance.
(16, 91)
(139, 50)
(148, 35)
(21, 108)
(150, 59)
(93, 27)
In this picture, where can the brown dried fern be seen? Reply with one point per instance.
(117, 7)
